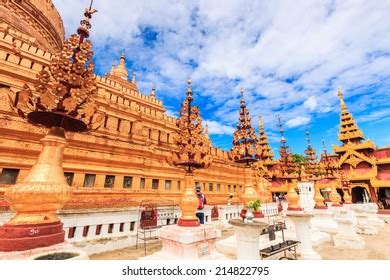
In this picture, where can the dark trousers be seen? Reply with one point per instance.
(200, 217)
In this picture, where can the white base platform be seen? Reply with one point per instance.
(347, 237)
(349, 241)
(195, 243)
(323, 220)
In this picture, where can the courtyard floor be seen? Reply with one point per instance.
(377, 248)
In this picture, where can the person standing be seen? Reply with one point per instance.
(202, 203)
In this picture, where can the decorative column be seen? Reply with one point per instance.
(293, 198)
(323, 217)
(63, 100)
(244, 147)
(319, 199)
(289, 172)
(302, 229)
(247, 238)
(335, 197)
(188, 203)
(189, 239)
(194, 153)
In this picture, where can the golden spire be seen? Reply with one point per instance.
(342, 103)
(286, 161)
(244, 138)
(264, 150)
(206, 132)
(349, 131)
(327, 164)
(120, 70)
(282, 139)
(112, 72)
(153, 92)
(312, 166)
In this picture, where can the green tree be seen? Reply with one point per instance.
(300, 162)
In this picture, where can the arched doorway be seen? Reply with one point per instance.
(359, 195)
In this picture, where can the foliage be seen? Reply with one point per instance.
(255, 204)
(299, 159)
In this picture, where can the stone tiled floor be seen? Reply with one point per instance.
(378, 248)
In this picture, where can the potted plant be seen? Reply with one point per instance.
(252, 208)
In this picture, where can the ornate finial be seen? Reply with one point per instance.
(189, 90)
(261, 124)
(206, 131)
(123, 54)
(307, 137)
(85, 25)
(282, 139)
(134, 79)
(194, 146)
(242, 92)
(65, 91)
(342, 103)
(244, 138)
(153, 92)
(112, 72)
(323, 145)
(340, 93)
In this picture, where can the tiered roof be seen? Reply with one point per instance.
(349, 131)
(244, 138)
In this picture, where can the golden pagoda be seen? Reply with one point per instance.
(244, 151)
(314, 172)
(312, 166)
(288, 171)
(265, 163)
(356, 152)
(349, 131)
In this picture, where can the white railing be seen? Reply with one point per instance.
(270, 209)
(101, 230)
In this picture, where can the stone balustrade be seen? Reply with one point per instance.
(101, 230)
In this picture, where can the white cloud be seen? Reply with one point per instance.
(311, 103)
(219, 129)
(297, 121)
(290, 56)
(171, 113)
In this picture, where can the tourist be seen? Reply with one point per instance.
(202, 203)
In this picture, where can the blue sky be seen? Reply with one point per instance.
(291, 57)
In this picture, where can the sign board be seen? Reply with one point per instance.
(148, 218)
